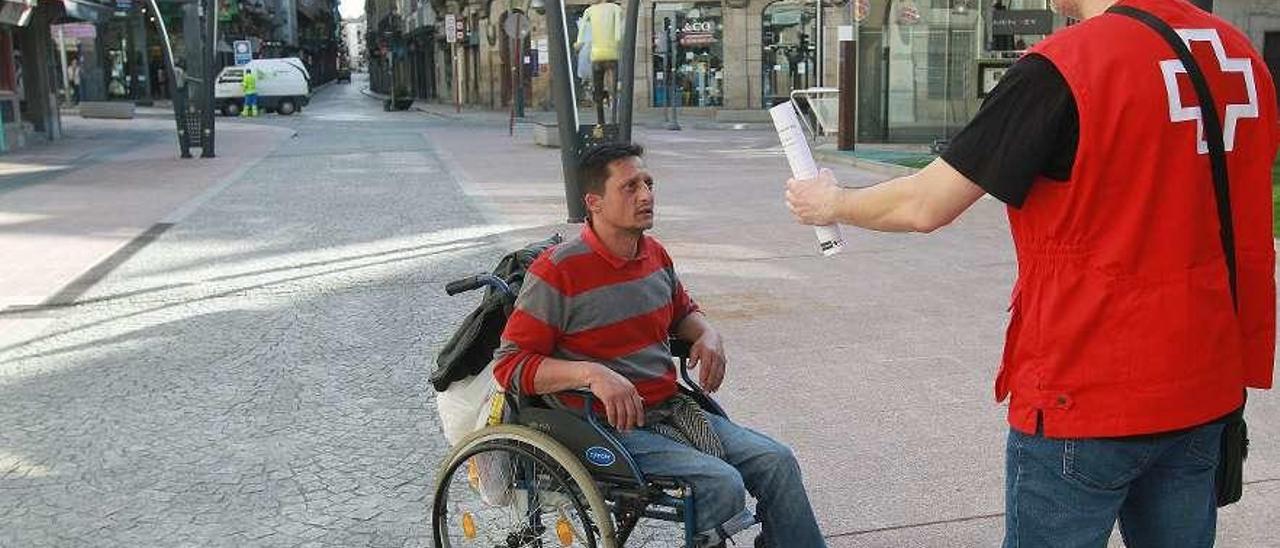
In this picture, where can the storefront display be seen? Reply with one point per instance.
(696, 45)
(788, 56)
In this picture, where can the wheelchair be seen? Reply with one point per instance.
(548, 477)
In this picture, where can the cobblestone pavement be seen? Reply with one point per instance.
(257, 375)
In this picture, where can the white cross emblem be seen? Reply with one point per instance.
(1179, 113)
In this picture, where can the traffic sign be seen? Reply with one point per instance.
(451, 28)
(243, 51)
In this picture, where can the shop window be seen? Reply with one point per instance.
(950, 64)
(7, 78)
(695, 45)
(789, 56)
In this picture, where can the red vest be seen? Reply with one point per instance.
(1122, 320)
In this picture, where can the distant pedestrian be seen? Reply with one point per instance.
(250, 85)
(73, 80)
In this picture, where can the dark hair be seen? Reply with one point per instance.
(594, 166)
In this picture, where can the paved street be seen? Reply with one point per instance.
(256, 374)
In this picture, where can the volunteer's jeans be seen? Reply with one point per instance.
(1069, 492)
(753, 462)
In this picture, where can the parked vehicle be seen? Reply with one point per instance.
(284, 86)
(344, 75)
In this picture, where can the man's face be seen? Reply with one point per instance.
(1069, 8)
(627, 203)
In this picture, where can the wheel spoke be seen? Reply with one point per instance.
(512, 495)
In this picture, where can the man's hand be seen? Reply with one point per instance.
(708, 353)
(623, 406)
(813, 201)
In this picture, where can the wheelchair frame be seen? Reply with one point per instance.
(628, 494)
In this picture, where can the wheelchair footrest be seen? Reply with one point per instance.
(737, 524)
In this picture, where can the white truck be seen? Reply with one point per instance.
(284, 86)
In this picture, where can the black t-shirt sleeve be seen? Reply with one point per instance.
(1027, 127)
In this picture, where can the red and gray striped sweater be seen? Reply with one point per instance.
(579, 301)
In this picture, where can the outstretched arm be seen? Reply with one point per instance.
(923, 202)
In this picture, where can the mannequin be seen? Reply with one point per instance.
(582, 69)
(605, 20)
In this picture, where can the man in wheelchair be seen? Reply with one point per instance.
(595, 313)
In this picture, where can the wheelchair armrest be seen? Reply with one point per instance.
(680, 348)
(602, 429)
(691, 387)
(588, 405)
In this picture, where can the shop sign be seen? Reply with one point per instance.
(75, 31)
(1011, 22)
(783, 18)
(451, 28)
(698, 33)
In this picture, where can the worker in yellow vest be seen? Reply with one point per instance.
(250, 86)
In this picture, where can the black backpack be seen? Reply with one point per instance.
(472, 345)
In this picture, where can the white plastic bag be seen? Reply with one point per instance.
(464, 407)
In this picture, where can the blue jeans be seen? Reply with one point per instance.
(1069, 492)
(753, 462)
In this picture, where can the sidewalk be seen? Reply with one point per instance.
(72, 208)
(891, 160)
(648, 118)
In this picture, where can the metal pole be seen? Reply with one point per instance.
(817, 40)
(391, 71)
(519, 87)
(668, 34)
(512, 50)
(62, 60)
(626, 76)
(211, 25)
(457, 80)
(848, 94)
(566, 100)
(172, 80)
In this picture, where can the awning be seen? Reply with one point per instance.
(16, 12)
(87, 10)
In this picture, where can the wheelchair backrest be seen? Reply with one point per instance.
(472, 346)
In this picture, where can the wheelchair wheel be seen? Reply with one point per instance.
(509, 486)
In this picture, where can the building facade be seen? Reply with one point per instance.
(31, 78)
(1260, 19)
(354, 39)
(918, 59)
(923, 66)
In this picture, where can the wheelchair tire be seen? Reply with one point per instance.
(588, 502)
